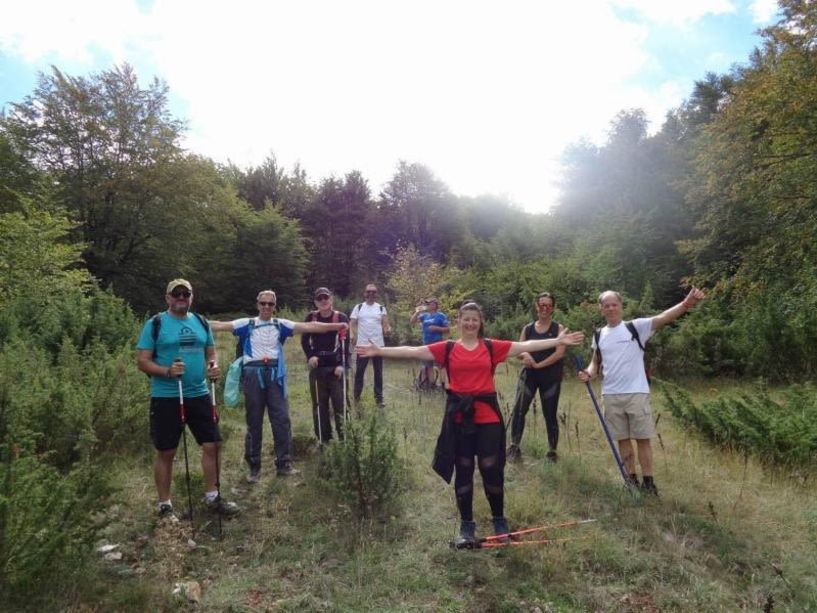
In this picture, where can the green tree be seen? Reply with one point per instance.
(114, 152)
(20, 178)
(254, 250)
(417, 208)
(37, 260)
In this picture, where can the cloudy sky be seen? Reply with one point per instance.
(487, 94)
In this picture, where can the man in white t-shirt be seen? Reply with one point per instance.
(263, 379)
(369, 324)
(625, 389)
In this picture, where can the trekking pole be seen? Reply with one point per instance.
(342, 338)
(217, 443)
(627, 483)
(316, 405)
(183, 417)
(512, 539)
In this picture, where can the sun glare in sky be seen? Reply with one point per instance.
(486, 94)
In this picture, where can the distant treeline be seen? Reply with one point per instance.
(723, 195)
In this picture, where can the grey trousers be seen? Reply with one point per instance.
(261, 391)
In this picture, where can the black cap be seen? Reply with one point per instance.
(321, 291)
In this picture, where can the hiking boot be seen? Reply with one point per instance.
(166, 512)
(381, 405)
(500, 525)
(632, 481)
(514, 453)
(286, 470)
(551, 456)
(253, 475)
(648, 487)
(222, 507)
(467, 538)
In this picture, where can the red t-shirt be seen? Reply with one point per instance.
(471, 373)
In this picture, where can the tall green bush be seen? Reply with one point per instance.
(70, 398)
(365, 471)
(777, 432)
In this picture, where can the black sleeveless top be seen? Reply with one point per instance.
(531, 334)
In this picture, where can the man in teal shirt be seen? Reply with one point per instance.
(177, 345)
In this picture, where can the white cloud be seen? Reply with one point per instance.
(763, 11)
(486, 96)
(677, 13)
(36, 29)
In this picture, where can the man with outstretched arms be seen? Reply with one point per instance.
(370, 323)
(434, 324)
(178, 345)
(263, 379)
(324, 356)
(619, 355)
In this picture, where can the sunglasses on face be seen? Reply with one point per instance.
(181, 294)
(370, 291)
(321, 298)
(267, 304)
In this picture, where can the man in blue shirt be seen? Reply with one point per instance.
(434, 325)
(177, 345)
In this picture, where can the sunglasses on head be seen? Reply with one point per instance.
(180, 294)
(269, 304)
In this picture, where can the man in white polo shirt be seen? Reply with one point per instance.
(619, 354)
(263, 379)
(369, 324)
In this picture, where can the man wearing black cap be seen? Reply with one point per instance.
(324, 355)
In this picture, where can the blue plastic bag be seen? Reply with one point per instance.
(232, 384)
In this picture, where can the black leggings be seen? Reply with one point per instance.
(487, 445)
(549, 389)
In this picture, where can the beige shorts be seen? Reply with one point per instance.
(628, 416)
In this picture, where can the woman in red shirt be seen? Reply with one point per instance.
(472, 425)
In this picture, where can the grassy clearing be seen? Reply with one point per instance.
(725, 534)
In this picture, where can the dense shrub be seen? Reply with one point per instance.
(70, 398)
(782, 433)
(364, 471)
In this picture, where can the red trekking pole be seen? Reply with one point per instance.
(183, 419)
(342, 339)
(217, 443)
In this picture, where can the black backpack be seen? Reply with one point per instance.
(156, 323)
(449, 345)
(358, 307)
(633, 337)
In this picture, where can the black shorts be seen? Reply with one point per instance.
(166, 423)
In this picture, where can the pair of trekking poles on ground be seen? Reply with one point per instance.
(183, 417)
